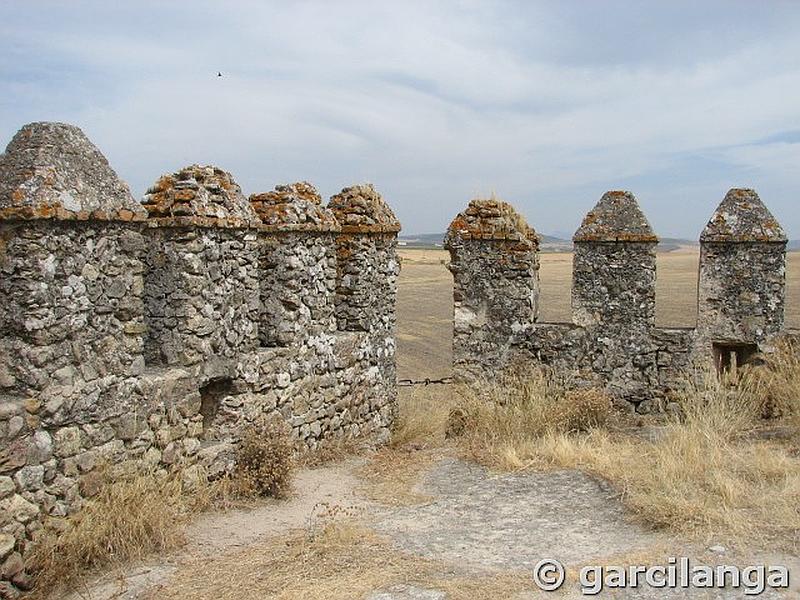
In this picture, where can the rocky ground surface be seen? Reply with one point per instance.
(471, 523)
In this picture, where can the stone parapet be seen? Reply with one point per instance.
(150, 337)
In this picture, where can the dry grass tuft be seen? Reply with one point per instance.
(126, 521)
(777, 385)
(264, 461)
(522, 408)
(422, 415)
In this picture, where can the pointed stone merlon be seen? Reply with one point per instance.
(202, 289)
(367, 267)
(70, 263)
(742, 286)
(495, 265)
(297, 264)
(367, 263)
(614, 266)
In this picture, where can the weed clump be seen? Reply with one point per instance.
(264, 462)
(525, 407)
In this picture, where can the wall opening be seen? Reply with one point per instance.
(793, 289)
(555, 287)
(729, 357)
(211, 394)
(676, 284)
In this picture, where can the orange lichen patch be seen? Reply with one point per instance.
(34, 213)
(53, 171)
(200, 196)
(295, 207)
(491, 220)
(361, 209)
(742, 217)
(616, 218)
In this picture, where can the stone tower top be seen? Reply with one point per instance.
(294, 207)
(742, 217)
(53, 171)
(361, 209)
(491, 220)
(616, 218)
(204, 196)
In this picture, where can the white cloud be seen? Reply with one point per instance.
(548, 105)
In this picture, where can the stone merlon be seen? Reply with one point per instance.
(742, 217)
(361, 209)
(491, 220)
(616, 218)
(203, 196)
(294, 207)
(53, 171)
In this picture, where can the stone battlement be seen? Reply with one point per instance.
(149, 335)
(612, 339)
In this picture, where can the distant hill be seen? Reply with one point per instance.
(794, 245)
(422, 240)
(548, 243)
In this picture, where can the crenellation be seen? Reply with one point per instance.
(202, 289)
(297, 253)
(495, 267)
(613, 340)
(150, 336)
(742, 272)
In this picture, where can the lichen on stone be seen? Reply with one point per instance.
(293, 207)
(53, 171)
(742, 217)
(205, 196)
(361, 209)
(490, 219)
(615, 218)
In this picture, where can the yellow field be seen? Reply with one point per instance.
(425, 302)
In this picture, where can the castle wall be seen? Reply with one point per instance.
(129, 340)
(495, 271)
(742, 291)
(612, 340)
(297, 280)
(70, 303)
(201, 294)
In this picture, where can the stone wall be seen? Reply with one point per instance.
(612, 339)
(495, 267)
(150, 335)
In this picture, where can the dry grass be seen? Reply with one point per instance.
(264, 461)
(393, 472)
(337, 559)
(706, 474)
(778, 385)
(510, 413)
(143, 514)
(126, 521)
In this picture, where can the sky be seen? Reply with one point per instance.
(545, 104)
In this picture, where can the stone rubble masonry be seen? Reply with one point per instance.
(612, 339)
(149, 336)
(495, 267)
(297, 250)
(742, 272)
